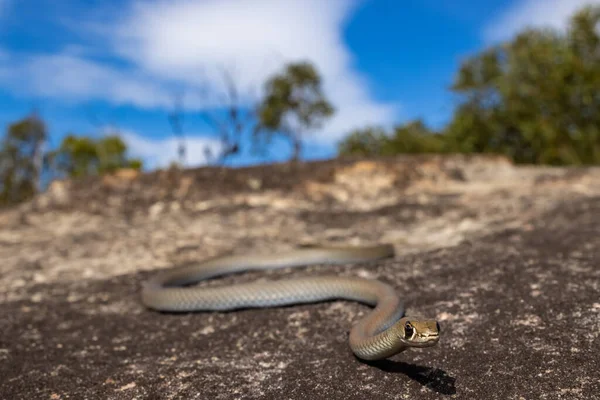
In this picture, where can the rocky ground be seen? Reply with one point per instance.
(505, 257)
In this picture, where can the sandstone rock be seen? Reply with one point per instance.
(505, 257)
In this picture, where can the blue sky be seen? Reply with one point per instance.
(120, 62)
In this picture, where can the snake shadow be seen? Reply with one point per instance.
(435, 379)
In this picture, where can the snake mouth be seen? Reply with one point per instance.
(420, 333)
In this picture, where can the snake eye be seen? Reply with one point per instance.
(409, 331)
(437, 327)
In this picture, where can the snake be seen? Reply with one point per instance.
(382, 333)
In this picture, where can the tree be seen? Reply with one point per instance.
(364, 142)
(535, 98)
(80, 156)
(228, 116)
(21, 156)
(294, 104)
(415, 137)
(412, 137)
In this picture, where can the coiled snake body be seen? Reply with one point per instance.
(381, 334)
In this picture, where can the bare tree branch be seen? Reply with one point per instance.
(176, 121)
(228, 117)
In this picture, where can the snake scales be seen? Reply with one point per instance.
(381, 334)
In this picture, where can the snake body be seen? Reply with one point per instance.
(381, 334)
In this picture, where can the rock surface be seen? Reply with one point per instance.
(506, 258)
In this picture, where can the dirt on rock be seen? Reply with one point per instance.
(505, 257)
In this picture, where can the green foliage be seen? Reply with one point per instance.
(21, 160)
(80, 156)
(411, 138)
(364, 142)
(294, 104)
(534, 99)
(135, 163)
(414, 137)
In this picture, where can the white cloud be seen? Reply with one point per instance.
(183, 39)
(179, 38)
(159, 153)
(533, 13)
(182, 42)
(72, 78)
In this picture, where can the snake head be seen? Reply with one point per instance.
(419, 333)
